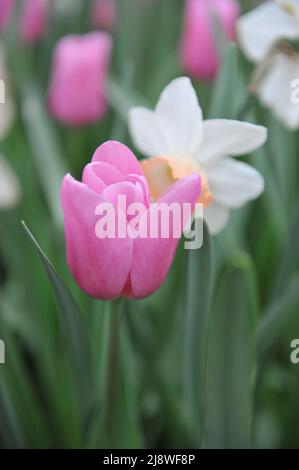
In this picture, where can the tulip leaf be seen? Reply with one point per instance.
(45, 149)
(282, 141)
(285, 294)
(74, 329)
(230, 359)
(276, 317)
(9, 425)
(290, 257)
(230, 90)
(122, 98)
(196, 312)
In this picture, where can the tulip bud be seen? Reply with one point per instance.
(119, 265)
(6, 8)
(77, 90)
(199, 54)
(34, 18)
(103, 14)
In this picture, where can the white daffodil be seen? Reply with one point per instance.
(180, 143)
(260, 33)
(7, 109)
(275, 88)
(9, 186)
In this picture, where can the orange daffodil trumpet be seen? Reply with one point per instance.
(179, 142)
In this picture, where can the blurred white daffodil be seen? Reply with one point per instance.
(263, 34)
(180, 143)
(9, 185)
(10, 191)
(7, 109)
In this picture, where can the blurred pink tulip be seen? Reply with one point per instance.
(199, 55)
(103, 14)
(77, 89)
(110, 267)
(6, 8)
(34, 19)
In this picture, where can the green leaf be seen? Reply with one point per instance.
(285, 293)
(9, 425)
(282, 148)
(45, 149)
(198, 292)
(230, 91)
(230, 359)
(290, 257)
(276, 318)
(274, 207)
(74, 329)
(122, 98)
(20, 401)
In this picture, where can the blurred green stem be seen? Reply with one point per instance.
(115, 315)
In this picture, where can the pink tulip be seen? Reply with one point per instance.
(77, 90)
(34, 19)
(110, 267)
(199, 54)
(103, 14)
(6, 8)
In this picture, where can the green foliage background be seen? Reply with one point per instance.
(205, 362)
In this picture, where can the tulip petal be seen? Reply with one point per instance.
(234, 183)
(132, 192)
(98, 175)
(216, 216)
(152, 257)
(263, 27)
(228, 137)
(144, 192)
(100, 266)
(119, 156)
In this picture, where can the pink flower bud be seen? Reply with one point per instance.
(199, 54)
(103, 14)
(6, 8)
(34, 19)
(77, 90)
(121, 265)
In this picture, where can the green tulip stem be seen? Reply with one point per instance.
(115, 316)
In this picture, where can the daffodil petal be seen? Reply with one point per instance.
(228, 137)
(234, 183)
(179, 110)
(216, 216)
(147, 132)
(174, 128)
(275, 89)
